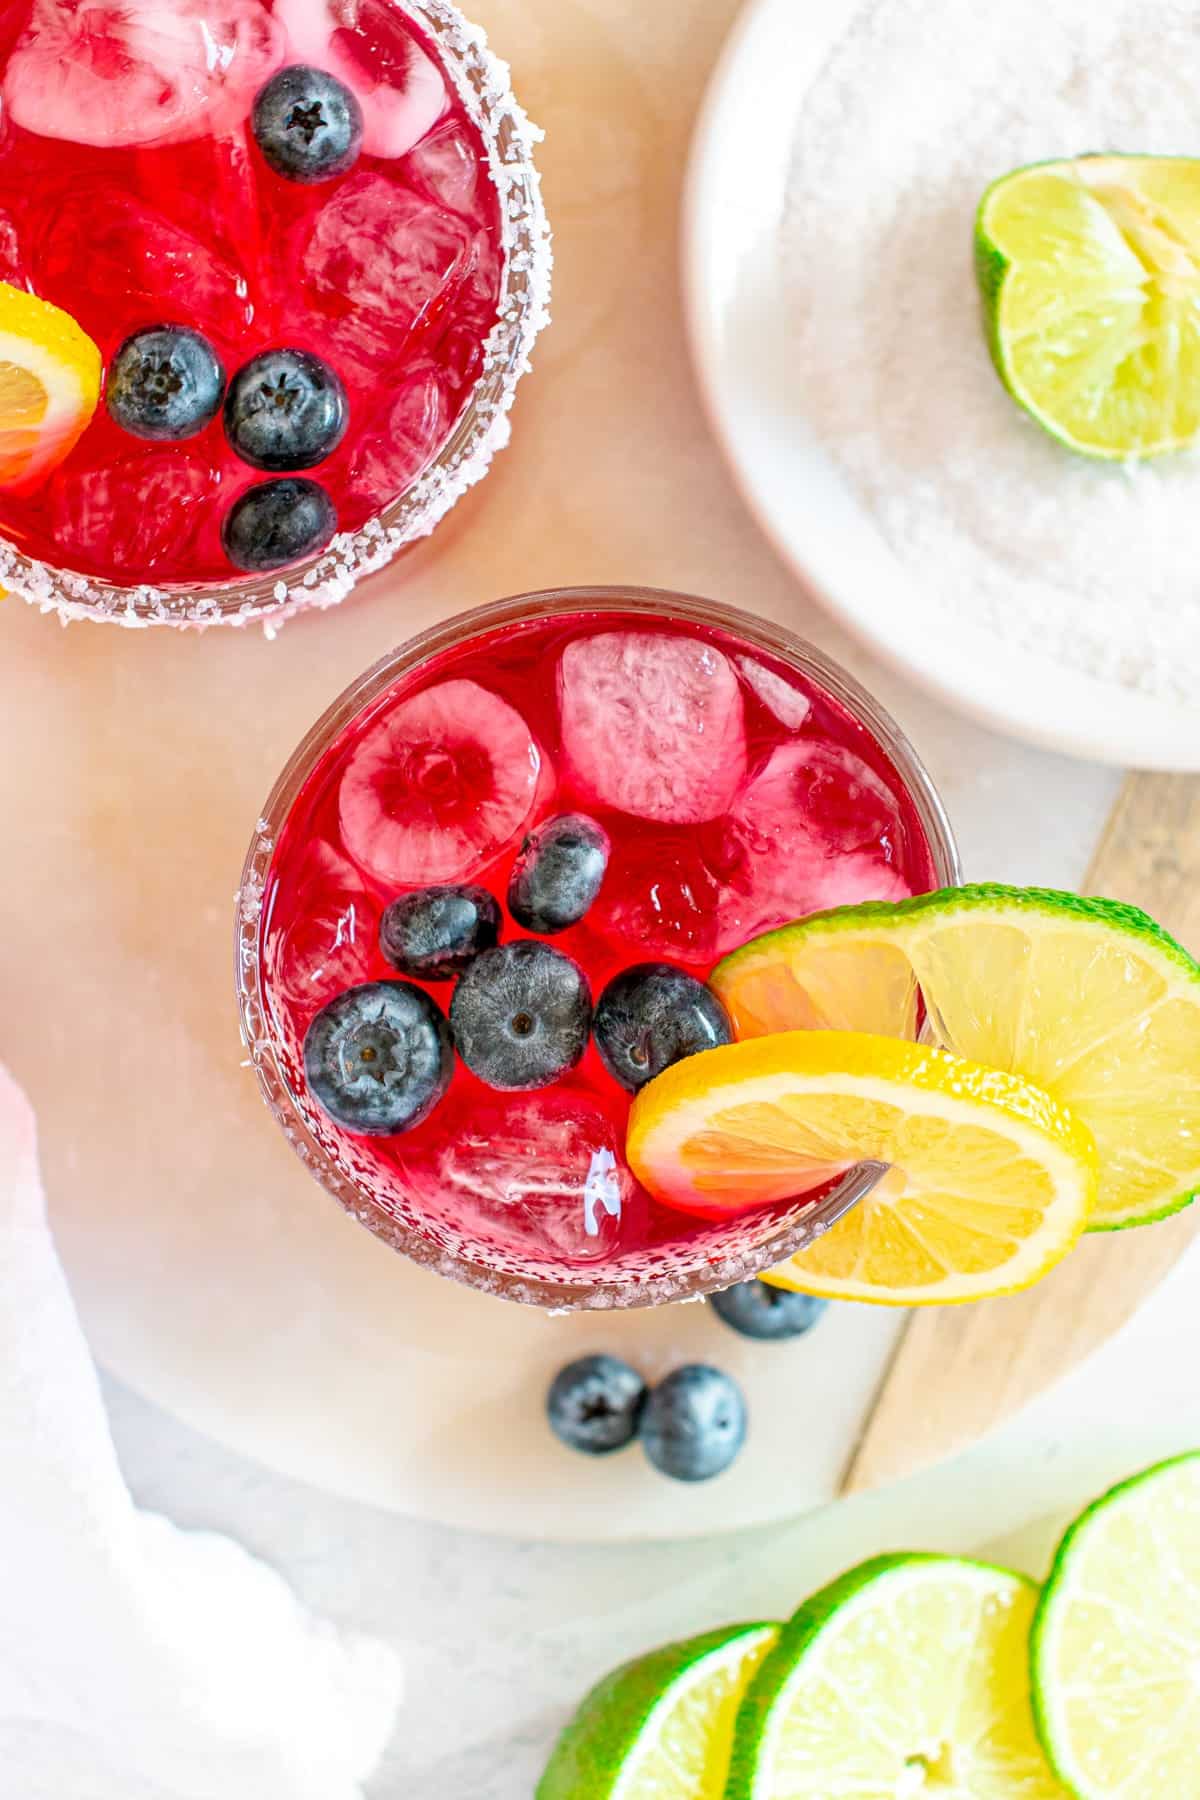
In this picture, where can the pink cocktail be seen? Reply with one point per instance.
(721, 778)
(141, 190)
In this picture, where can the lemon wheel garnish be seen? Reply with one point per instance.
(49, 386)
(990, 1181)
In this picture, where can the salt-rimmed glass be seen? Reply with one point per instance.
(482, 81)
(710, 1258)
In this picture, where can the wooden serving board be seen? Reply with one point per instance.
(960, 1371)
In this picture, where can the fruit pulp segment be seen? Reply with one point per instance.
(133, 195)
(442, 778)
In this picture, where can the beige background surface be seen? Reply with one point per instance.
(211, 1273)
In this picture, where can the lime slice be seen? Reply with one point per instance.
(660, 1728)
(1116, 1642)
(1090, 272)
(988, 1181)
(1088, 999)
(908, 1677)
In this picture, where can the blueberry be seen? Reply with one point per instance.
(437, 933)
(285, 409)
(277, 523)
(558, 873)
(378, 1058)
(651, 1016)
(165, 383)
(308, 126)
(758, 1311)
(694, 1423)
(520, 1015)
(594, 1404)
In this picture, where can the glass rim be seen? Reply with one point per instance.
(795, 1232)
(483, 83)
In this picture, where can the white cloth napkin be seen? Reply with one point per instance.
(138, 1661)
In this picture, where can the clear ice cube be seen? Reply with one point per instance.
(404, 439)
(142, 509)
(366, 44)
(652, 724)
(541, 1175)
(782, 699)
(120, 73)
(383, 261)
(138, 264)
(661, 900)
(446, 167)
(440, 784)
(814, 828)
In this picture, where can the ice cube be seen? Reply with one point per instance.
(660, 900)
(139, 72)
(404, 438)
(438, 786)
(446, 166)
(383, 261)
(652, 724)
(331, 933)
(816, 827)
(542, 1175)
(366, 43)
(140, 267)
(784, 701)
(135, 513)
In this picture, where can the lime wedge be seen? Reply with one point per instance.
(1090, 272)
(660, 1728)
(1088, 999)
(1116, 1642)
(908, 1677)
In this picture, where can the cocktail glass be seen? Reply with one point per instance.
(128, 226)
(794, 790)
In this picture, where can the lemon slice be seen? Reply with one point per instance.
(661, 1728)
(1089, 999)
(1090, 272)
(989, 1180)
(1116, 1642)
(49, 386)
(908, 1678)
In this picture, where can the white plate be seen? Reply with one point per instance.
(755, 396)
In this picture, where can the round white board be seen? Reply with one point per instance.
(211, 1273)
(754, 385)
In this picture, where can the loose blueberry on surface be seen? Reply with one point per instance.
(694, 1423)
(653, 1015)
(520, 1016)
(378, 1058)
(594, 1404)
(756, 1310)
(438, 932)
(558, 874)
(285, 410)
(308, 126)
(277, 523)
(165, 383)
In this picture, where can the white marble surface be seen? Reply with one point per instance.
(501, 1637)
